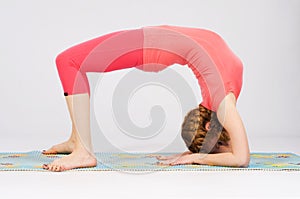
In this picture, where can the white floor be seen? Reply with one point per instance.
(152, 185)
(230, 184)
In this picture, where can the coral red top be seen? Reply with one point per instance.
(218, 70)
(215, 66)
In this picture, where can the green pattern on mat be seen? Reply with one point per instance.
(33, 161)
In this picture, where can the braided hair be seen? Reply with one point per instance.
(195, 135)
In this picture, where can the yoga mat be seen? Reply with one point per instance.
(33, 161)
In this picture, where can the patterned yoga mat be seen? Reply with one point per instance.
(33, 161)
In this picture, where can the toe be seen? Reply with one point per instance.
(62, 168)
(49, 166)
(45, 166)
(58, 168)
(52, 167)
(49, 151)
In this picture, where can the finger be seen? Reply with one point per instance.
(180, 162)
(161, 157)
(158, 157)
(176, 163)
(163, 163)
(152, 155)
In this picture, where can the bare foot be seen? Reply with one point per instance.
(65, 147)
(79, 158)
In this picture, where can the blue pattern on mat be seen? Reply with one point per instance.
(33, 161)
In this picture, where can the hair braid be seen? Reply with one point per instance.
(195, 135)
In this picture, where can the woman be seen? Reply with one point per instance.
(218, 70)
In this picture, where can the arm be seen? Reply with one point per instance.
(231, 120)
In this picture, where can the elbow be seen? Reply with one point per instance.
(243, 162)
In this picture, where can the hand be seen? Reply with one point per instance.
(191, 158)
(170, 157)
(160, 157)
(185, 159)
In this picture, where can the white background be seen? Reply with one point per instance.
(263, 33)
(33, 114)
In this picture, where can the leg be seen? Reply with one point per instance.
(72, 65)
(72, 80)
(82, 153)
(75, 84)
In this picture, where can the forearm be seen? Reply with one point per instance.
(221, 159)
(179, 155)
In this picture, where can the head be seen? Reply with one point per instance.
(202, 131)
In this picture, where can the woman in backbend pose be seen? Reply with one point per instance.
(219, 73)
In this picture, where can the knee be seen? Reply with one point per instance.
(67, 59)
(62, 60)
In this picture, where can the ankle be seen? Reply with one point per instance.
(72, 141)
(78, 144)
